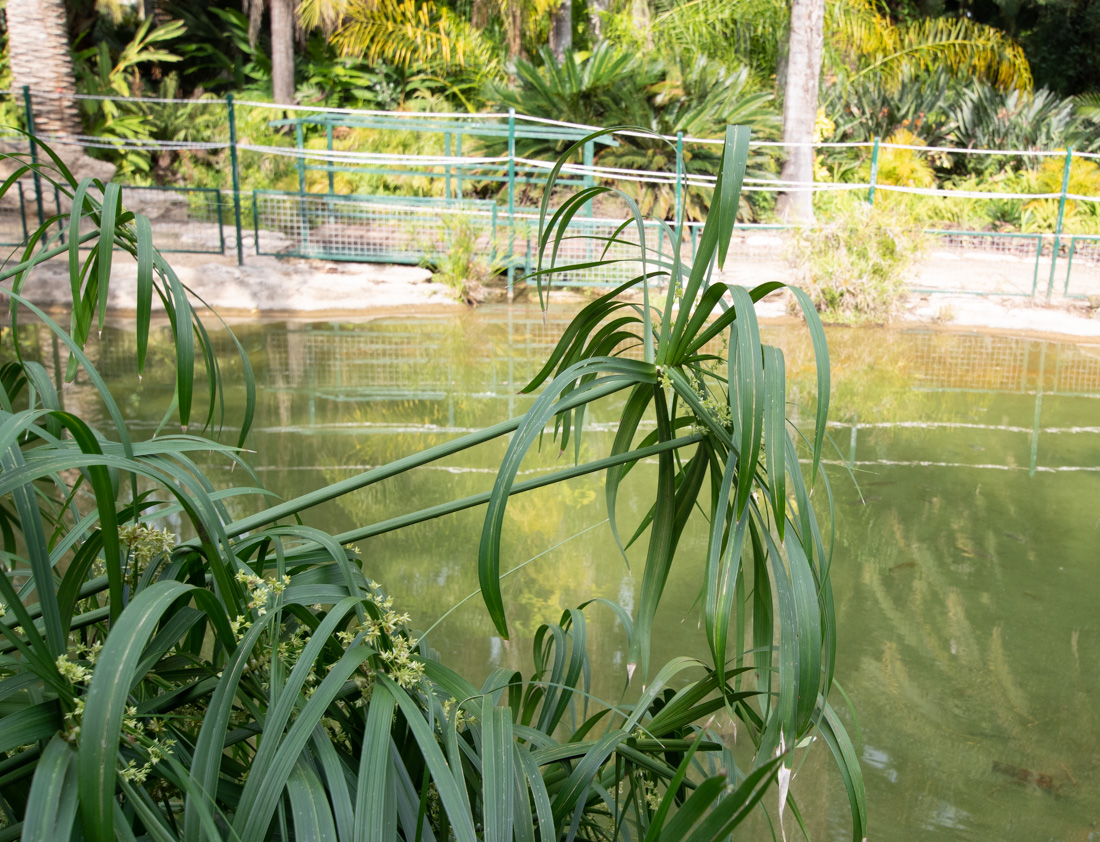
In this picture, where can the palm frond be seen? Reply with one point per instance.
(968, 49)
(404, 32)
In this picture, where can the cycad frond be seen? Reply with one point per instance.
(1087, 106)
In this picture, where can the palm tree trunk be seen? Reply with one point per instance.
(282, 51)
(806, 43)
(479, 15)
(515, 29)
(561, 29)
(642, 20)
(596, 11)
(38, 49)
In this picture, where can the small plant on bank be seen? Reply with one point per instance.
(464, 258)
(856, 267)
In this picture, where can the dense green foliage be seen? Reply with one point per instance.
(689, 67)
(241, 675)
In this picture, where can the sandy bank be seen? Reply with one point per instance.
(264, 286)
(280, 287)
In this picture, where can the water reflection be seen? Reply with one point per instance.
(964, 567)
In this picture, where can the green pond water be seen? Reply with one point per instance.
(965, 568)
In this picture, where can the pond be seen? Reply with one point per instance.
(965, 564)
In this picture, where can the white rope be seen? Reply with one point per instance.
(819, 187)
(687, 138)
(350, 156)
(409, 115)
(964, 150)
(813, 145)
(138, 142)
(963, 194)
(551, 122)
(156, 99)
(527, 118)
(97, 142)
(638, 176)
(115, 98)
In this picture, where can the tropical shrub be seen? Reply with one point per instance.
(611, 87)
(904, 167)
(868, 106)
(246, 678)
(691, 100)
(216, 51)
(104, 75)
(1079, 217)
(854, 267)
(983, 117)
(586, 89)
(465, 260)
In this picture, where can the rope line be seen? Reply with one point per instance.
(409, 115)
(473, 165)
(351, 156)
(100, 142)
(116, 98)
(966, 150)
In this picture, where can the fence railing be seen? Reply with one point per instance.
(344, 206)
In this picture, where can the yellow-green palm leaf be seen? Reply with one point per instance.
(963, 46)
(404, 32)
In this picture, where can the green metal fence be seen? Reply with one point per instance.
(983, 263)
(367, 228)
(13, 218)
(185, 219)
(483, 154)
(1082, 278)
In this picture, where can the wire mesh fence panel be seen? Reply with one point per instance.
(1078, 370)
(983, 263)
(361, 228)
(590, 240)
(334, 360)
(972, 362)
(757, 254)
(1082, 277)
(13, 216)
(184, 219)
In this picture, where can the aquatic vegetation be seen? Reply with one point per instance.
(173, 670)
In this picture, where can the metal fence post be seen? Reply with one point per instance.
(34, 155)
(458, 169)
(331, 168)
(236, 182)
(589, 179)
(874, 173)
(511, 199)
(22, 210)
(679, 178)
(447, 167)
(589, 208)
(1058, 225)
